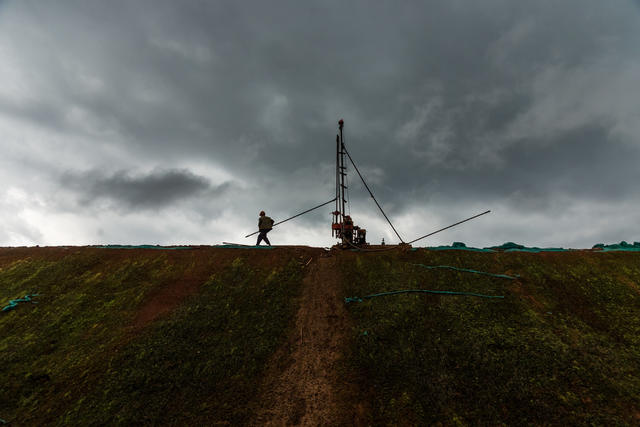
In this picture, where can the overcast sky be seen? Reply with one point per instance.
(165, 122)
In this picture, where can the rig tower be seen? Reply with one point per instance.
(342, 225)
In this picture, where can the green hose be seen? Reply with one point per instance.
(14, 302)
(467, 270)
(358, 299)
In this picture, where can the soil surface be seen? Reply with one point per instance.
(303, 385)
(205, 261)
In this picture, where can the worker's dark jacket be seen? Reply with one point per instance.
(265, 223)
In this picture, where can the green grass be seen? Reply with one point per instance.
(80, 313)
(561, 348)
(73, 358)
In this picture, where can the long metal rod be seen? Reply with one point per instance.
(370, 193)
(295, 216)
(336, 212)
(452, 225)
(342, 175)
(342, 172)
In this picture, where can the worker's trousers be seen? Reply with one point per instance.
(263, 236)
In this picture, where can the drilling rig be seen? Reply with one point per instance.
(342, 226)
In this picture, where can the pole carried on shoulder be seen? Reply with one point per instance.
(295, 216)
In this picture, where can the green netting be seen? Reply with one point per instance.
(622, 246)
(144, 247)
(244, 247)
(457, 246)
(180, 247)
(505, 247)
(514, 247)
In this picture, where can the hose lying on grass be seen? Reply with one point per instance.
(14, 302)
(467, 270)
(358, 299)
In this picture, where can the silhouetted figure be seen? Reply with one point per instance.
(264, 225)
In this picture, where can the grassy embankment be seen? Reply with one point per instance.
(78, 357)
(562, 347)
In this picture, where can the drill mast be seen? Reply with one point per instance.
(342, 225)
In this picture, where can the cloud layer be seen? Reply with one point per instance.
(178, 123)
(127, 192)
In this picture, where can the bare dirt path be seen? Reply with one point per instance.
(303, 384)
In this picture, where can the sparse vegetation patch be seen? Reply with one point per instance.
(561, 348)
(78, 358)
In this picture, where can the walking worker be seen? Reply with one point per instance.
(265, 225)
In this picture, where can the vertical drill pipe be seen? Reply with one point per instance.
(341, 173)
(337, 209)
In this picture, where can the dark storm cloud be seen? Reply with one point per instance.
(505, 103)
(270, 78)
(126, 191)
(584, 162)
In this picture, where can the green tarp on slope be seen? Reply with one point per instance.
(514, 247)
(243, 247)
(456, 245)
(622, 246)
(179, 247)
(506, 247)
(143, 247)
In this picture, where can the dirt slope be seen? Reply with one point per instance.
(221, 336)
(182, 330)
(303, 385)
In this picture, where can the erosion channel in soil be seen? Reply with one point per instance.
(303, 385)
